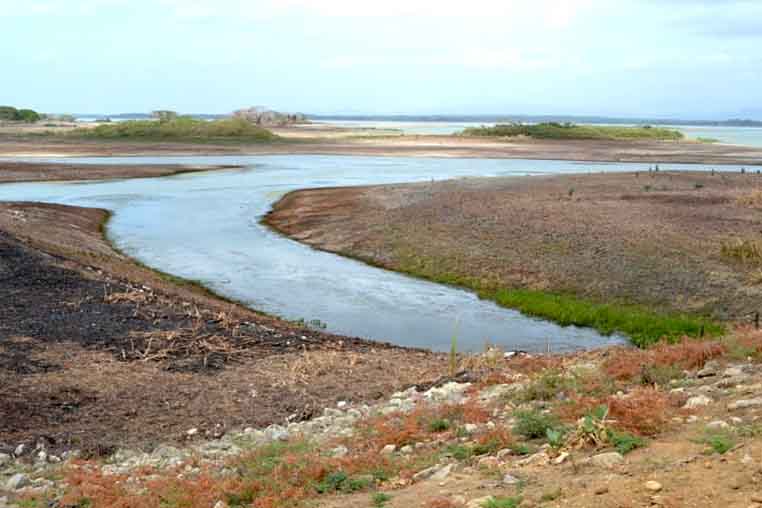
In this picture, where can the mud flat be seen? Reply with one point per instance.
(342, 141)
(13, 171)
(667, 241)
(98, 352)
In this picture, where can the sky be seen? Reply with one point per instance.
(693, 59)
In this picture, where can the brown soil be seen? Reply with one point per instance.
(301, 140)
(11, 171)
(650, 239)
(98, 352)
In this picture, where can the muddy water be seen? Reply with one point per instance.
(205, 226)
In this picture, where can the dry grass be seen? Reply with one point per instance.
(627, 364)
(752, 199)
(746, 250)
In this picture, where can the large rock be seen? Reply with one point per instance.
(607, 460)
(697, 401)
(17, 481)
(745, 403)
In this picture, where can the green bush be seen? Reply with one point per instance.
(554, 130)
(502, 502)
(180, 129)
(534, 424)
(624, 442)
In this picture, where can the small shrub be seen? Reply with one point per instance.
(660, 375)
(551, 495)
(547, 387)
(380, 499)
(502, 502)
(534, 424)
(718, 442)
(624, 442)
(644, 412)
(459, 452)
(439, 425)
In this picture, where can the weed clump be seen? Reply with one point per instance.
(534, 424)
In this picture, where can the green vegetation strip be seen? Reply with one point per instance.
(179, 129)
(553, 130)
(642, 325)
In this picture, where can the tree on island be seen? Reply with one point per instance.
(11, 114)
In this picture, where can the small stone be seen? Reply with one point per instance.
(691, 419)
(505, 452)
(442, 473)
(388, 449)
(342, 404)
(717, 425)
(407, 449)
(607, 460)
(220, 504)
(710, 369)
(192, 432)
(470, 428)
(339, 451)
(489, 462)
(756, 498)
(735, 420)
(697, 401)
(732, 372)
(19, 451)
(425, 473)
(561, 458)
(747, 459)
(4, 459)
(509, 479)
(653, 486)
(745, 403)
(603, 489)
(17, 481)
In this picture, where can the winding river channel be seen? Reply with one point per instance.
(206, 226)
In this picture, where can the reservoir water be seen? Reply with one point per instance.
(205, 226)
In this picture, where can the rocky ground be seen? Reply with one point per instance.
(668, 240)
(675, 426)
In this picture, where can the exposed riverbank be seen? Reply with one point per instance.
(99, 352)
(652, 240)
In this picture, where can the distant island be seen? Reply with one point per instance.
(733, 122)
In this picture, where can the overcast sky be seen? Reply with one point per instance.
(687, 58)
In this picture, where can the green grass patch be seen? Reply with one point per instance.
(624, 442)
(553, 130)
(502, 502)
(379, 499)
(534, 424)
(644, 327)
(180, 129)
(718, 442)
